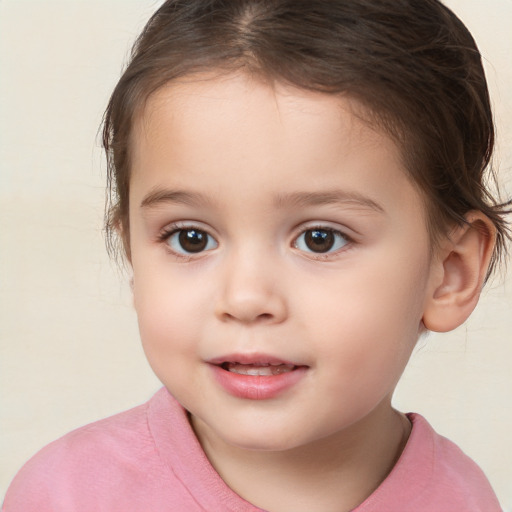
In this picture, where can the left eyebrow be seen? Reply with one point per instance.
(303, 199)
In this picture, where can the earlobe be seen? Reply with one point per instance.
(458, 273)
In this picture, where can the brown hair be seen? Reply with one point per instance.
(412, 63)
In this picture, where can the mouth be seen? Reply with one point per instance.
(256, 376)
(261, 369)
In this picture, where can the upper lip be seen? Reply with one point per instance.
(254, 359)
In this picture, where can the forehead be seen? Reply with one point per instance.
(206, 130)
(188, 108)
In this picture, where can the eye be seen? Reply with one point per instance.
(191, 241)
(321, 240)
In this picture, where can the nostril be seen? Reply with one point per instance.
(263, 317)
(247, 317)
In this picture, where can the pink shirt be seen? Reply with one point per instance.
(149, 460)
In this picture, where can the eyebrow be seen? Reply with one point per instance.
(303, 199)
(159, 196)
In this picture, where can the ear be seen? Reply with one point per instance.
(458, 272)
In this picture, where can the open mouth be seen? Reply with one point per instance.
(262, 369)
(256, 376)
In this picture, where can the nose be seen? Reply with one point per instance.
(251, 291)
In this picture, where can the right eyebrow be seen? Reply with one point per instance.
(159, 196)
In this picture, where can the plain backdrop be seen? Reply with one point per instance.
(69, 348)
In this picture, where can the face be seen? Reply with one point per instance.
(280, 259)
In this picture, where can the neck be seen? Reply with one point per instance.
(336, 473)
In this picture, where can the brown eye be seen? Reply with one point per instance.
(320, 240)
(191, 241)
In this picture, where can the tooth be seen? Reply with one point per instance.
(283, 368)
(262, 369)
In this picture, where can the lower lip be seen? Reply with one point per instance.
(257, 387)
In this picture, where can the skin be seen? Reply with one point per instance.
(242, 161)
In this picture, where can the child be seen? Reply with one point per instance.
(299, 190)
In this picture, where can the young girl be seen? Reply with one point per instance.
(299, 189)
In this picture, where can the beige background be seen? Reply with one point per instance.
(69, 349)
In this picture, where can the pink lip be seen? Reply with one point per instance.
(255, 387)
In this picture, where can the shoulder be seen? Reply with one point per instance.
(92, 464)
(457, 475)
(145, 459)
(97, 442)
(432, 475)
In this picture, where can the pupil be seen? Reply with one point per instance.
(319, 240)
(193, 240)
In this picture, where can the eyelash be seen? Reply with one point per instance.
(165, 235)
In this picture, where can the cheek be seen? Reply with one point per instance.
(169, 330)
(369, 319)
(170, 314)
